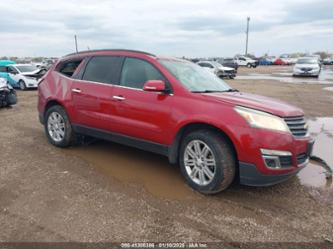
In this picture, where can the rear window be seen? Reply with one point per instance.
(104, 69)
(68, 67)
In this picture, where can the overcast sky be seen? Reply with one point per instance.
(168, 27)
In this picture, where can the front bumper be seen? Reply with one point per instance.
(306, 73)
(31, 83)
(250, 176)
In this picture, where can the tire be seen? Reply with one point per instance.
(65, 138)
(22, 85)
(222, 174)
(249, 65)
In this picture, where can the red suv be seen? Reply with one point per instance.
(178, 109)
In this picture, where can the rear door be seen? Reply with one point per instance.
(141, 114)
(92, 93)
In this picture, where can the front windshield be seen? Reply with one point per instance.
(27, 68)
(307, 61)
(194, 77)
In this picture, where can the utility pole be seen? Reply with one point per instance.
(247, 34)
(75, 38)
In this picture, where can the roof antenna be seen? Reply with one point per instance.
(75, 38)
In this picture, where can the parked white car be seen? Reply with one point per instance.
(218, 69)
(246, 61)
(23, 75)
(307, 66)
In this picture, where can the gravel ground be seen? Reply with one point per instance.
(107, 192)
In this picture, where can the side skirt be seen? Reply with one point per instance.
(122, 139)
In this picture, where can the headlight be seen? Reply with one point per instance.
(258, 119)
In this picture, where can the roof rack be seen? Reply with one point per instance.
(100, 50)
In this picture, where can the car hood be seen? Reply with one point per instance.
(226, 68)
(266, 104)
(32, 73)
(307, 65)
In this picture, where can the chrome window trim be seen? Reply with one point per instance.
(106, 84)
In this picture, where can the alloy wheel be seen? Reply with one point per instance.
(56, 126)
(200, 163)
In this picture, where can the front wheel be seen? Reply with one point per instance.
(22, 85)
(207, 161)
(58, 128)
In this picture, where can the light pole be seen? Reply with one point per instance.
(247, 34)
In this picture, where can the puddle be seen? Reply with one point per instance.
(131, 165)
(328, 88)
(314, 175)
(154, 172)
(325, 77)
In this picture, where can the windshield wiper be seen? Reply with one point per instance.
(231, 90)
(207, 91)
(216, 91)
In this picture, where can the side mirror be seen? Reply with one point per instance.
(154, 86)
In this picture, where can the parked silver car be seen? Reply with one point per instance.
(307, 66)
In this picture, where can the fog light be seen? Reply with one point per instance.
(272, 162)
(276, 159)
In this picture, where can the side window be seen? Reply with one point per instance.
(68, 67)
(104, 69)
(11, 70)
(203, 65)
(136, 72)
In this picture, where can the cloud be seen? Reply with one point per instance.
(174, 27)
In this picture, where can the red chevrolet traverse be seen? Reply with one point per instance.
(178, 109)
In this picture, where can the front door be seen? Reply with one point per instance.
(13, 76)
(141, 114)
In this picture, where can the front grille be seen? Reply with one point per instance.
(301, 158)
(306, 69)
(297, 126)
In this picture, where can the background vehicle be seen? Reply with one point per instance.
(265, 62)
(22, 75)
(178, 109)
(218, 69)
(307, 66)
(228, 62)
(246, 61)
(280, 62)
(328, 61)
(7, 94)
(288, 59)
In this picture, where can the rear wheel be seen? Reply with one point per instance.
(22, 85)
(58, 128)
(249, 65)
(207, 161)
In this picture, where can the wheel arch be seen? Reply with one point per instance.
(173, 154)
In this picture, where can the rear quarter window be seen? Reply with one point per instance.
(68, 68)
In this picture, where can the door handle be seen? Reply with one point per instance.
(76, 90)
(120, 98)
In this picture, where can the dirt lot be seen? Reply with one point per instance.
(107, 192)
